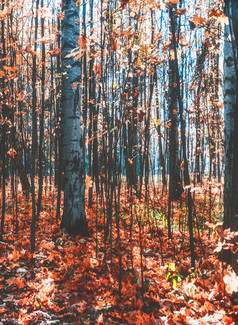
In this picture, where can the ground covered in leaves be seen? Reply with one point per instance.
(75, 280)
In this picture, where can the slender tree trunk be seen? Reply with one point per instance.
(34, 136)
(58, 140)
(41, 117)
(175, 183)
(183, 140)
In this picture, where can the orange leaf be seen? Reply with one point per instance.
(12, 153)
(88, 181)
(2, 15)
(2, 310)
(97, 69)
(82, 42)
(114, 45)
(87, 263)
(29, 50)
(74, 85)
(173, 2)
(55, 52)
(20, 283)
(199, 20)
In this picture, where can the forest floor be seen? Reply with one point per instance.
(70, 280)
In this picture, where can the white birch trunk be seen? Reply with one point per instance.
(74, 220)
(231, 145)
(229, 123)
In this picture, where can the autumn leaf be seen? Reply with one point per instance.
(30, 50)
(82, 42)
(2, 15)
(114, 45)
(97, 69)
(88, 182)
(87, 263)
(231, 282)
(10, 69)
(136, 94)
(141, 115)
(218, 248)
(12, 153)
(19, 282)
(216, 13)
(138, 62)
(10, 281)
(3, 310)
(198, 20)
(173, 2)
(55, 52)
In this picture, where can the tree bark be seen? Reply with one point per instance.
(231, 142)
(175, 183)
(74, 219)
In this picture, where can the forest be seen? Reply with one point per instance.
(118, 162)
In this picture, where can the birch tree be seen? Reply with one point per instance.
(231, 127)
(73, 220)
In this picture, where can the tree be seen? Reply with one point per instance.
(175, 186)
(231, 127)
(175, 183)
(183, 140)
(73, 220)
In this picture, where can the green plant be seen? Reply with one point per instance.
(173, 276)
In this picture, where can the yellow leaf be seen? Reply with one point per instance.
(172, 266)
(174, 284)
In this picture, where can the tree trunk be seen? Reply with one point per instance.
(74, 219)
(230, 156)
(34, 136)
(175, 183)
